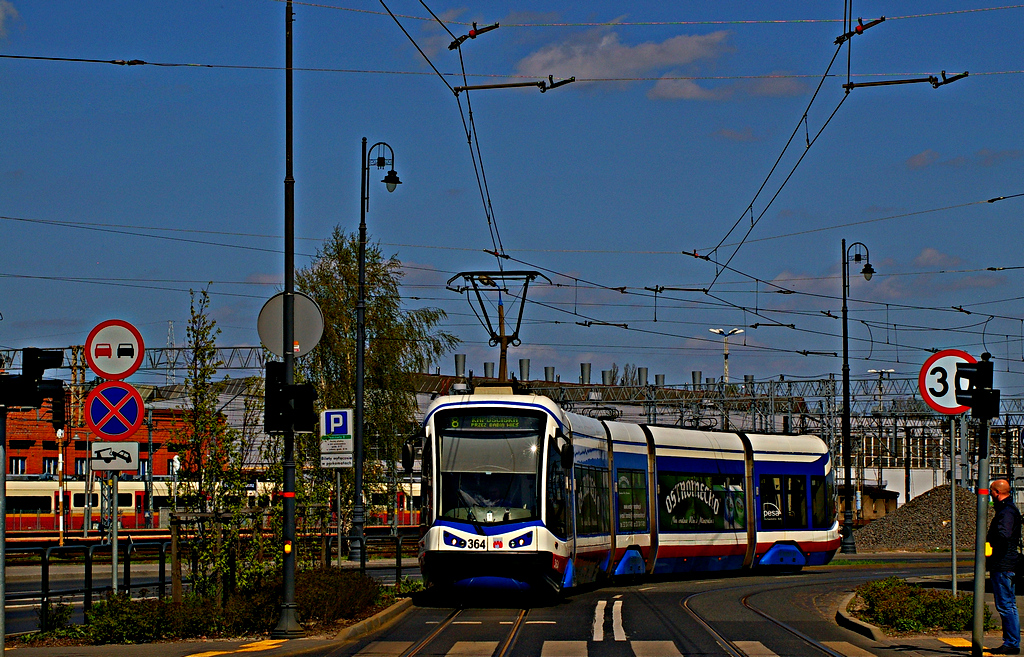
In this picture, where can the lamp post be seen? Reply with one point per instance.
(391, 181)
(725, 341)
(848, 546)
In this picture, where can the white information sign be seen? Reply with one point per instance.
(116, 456)
(337, 460)
(338, 446)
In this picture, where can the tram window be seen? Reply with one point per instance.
(592, 500)
(796, 502)
(632, 501)
(771, 503)
(124, 499)
(78, 500)
(822, 510)
(555, 507)
(29, 503)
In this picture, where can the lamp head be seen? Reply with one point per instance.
(718, 331)
(868, 271)
(391, 180)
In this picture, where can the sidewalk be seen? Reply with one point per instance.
(217, 647)
(950, 643)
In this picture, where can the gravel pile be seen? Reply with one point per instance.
(923, 523)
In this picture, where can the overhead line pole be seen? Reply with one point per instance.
(288, 626)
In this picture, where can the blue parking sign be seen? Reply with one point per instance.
(336, 422)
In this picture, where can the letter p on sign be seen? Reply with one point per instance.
(336, 422)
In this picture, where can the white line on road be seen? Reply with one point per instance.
(618, 632)
(599, 620)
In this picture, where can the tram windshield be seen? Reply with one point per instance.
(489, 465)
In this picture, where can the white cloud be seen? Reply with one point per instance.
(674, 89)
(930, 257)
(7, 10)
(600, 54)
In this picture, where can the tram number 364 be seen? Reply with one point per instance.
(475, 544)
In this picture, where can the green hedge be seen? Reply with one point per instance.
(895, 604)
(321, 596)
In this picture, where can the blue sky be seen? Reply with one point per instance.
(121, 187)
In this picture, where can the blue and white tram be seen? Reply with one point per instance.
(519, 493)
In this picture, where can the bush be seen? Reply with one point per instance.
(323, 595)
(327, 594)
(119, 619)
(898, 605)
(58, 615)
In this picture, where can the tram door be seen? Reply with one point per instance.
(140, 508)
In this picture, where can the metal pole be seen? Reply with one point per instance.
(952, 497)
(337, 493)
(113, 536)
(356, 547)
(725, 370)
(978, 630)
(3, 528)
(288, 625)
(848, 545)
(149, 470)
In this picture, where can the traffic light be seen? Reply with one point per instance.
(274, 403)
(35, 361)
(287, 406)
(57, 405)
(978, 393)
(28, 389)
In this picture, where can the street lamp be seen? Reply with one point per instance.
(392, 182)
(859, 252)
(725, 340)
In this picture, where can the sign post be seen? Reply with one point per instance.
(114, 457)
(114, 410)
(937, 383)
(336, 451)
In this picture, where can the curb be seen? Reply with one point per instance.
(375, 622)
(845, 620)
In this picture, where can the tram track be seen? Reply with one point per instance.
(505, 646)
(732, 647)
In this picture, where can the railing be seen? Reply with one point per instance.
(88, 553)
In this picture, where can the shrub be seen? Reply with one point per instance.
(119, 619)
(896, 604)
(327, 594)
(58, 615)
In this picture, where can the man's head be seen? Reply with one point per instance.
(1000, 489)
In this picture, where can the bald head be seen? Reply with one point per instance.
(1000, 488)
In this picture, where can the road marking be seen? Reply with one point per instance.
(390, 648)
(754, 649)
(564, 649)
(848, 649)
(467, 622)
(473, 648)
(258, 646)
(958, 643)
(618, 596)
(541, 623)
(617, 632)
(599, 620)
(655, 649)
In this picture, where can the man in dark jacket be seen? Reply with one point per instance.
(1004, 537)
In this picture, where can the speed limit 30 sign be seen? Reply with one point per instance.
(937, 380)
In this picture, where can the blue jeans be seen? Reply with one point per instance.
(1006, 605)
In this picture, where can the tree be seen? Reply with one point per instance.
(399, 342)
(213, 460)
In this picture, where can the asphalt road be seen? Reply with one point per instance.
(714, 615)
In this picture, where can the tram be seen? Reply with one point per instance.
(518, 493)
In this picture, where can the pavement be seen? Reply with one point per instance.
(947, 645)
